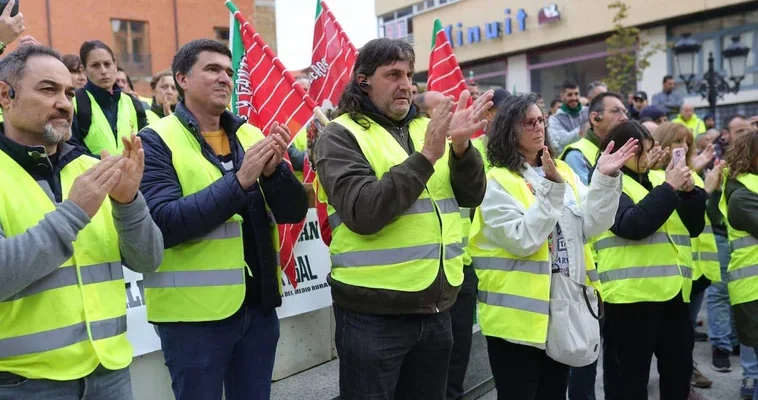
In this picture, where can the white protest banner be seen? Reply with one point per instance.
(312, 262)
(312, 293)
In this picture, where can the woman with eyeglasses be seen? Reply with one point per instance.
(739, 205)
(528, 248)
(645, 265)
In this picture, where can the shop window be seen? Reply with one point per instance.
(132, 47)
(581, 64)
(489, 75)
(221, 34)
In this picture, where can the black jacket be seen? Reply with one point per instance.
(181, 218)
(638, 221)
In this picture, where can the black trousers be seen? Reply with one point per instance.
(392, 357)
(633, 333)
(525, 373)
(462, 320)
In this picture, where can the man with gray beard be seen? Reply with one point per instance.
(62, 242)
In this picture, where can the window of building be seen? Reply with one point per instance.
(581, 64)
(488, 75)
(715, 35)
(399, 23)
(221, 34)
(132, 47)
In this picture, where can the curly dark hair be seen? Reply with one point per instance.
(505, 130)
(741, 154)
(374, 54)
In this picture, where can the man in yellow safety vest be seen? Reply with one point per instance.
(67, 222)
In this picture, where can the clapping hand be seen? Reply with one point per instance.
(548, 167)
(435, 138)
(608, 164)
(279, 135)
(701, 160)
(655, 155)
(131, 171)
(467, 121)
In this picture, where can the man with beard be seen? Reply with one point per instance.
(217, 188)
(564, 125)
(62, 242)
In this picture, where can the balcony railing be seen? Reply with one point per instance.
(135, 65)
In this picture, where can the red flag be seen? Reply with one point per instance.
(333, 58)
(445, 74)
(266, 93)
(332, 64)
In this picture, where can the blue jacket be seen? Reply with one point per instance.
(182, 219)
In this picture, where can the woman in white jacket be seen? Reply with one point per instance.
(529, 239)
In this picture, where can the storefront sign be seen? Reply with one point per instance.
(549, 14)
(458, 35)
(312, 293)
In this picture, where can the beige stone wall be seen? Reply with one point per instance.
(384, 6)
(579, 18)
(264, 20)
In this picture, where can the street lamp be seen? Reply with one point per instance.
(713, 85)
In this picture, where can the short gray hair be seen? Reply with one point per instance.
(13, 65)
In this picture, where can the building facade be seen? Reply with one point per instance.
(144, 34)
(524, 46)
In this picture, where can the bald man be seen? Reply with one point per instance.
(428, 101)
(650, 126)
(688, 118)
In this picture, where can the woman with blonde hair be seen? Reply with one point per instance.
(706, 269)
(739, 205)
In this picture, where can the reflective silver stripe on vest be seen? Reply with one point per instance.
(660, 271)
(705, 256)
(176, 279)
(742, 273)
(58, 338)
(592, 274)
(66, 276)
(453, 250)
(465, 241)
(515, 302)
(465, 212)
(508, 265)
(420, 206)
(385, 257)
(656, 238)
(227, 230)
(743, 242)
(334, 220)
(707, 230)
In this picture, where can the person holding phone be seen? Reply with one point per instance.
(645, 266)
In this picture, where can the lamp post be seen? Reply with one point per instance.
(712, 86)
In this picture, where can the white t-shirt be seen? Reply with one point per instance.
(557, 245)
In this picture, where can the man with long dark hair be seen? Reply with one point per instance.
(394, 185)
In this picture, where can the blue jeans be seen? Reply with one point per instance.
(721, 330)
(582, 382)
(749, 362)
(235, 354)
(392, 357)
(102, 384)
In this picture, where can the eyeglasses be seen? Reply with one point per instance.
(531, 123)
(617, 111)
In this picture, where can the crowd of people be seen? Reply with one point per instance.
(574, 230)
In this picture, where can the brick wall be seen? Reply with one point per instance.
(73, 22)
